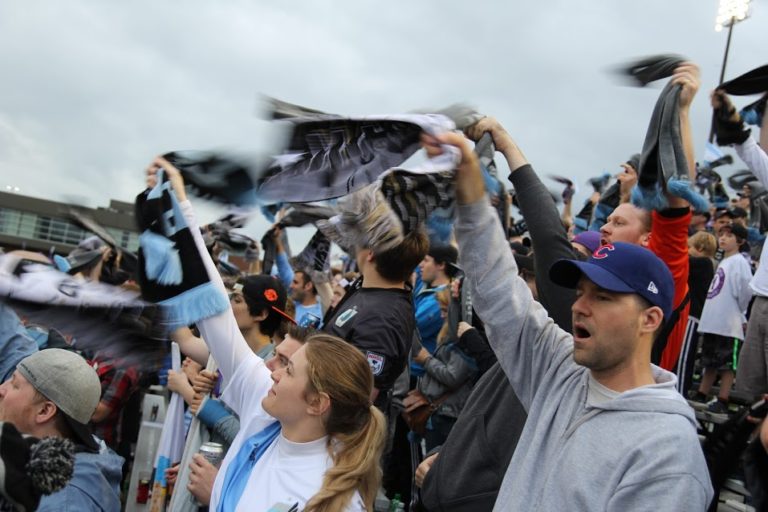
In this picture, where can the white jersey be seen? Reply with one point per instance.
(727, 299)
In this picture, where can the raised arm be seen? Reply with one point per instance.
(764, 131)
(748, 150)
(324, 289)
(525, 340)
(190, 345)
(284, 269)
(548, 236)
(220, 332)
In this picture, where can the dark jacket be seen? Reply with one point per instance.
(701, 274)
(450, 370)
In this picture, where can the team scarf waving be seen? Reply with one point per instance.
(663, 164)
(180, 285)
(94, 318)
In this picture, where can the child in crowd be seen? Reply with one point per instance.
(722, 318)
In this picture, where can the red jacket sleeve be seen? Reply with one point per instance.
(669, 241)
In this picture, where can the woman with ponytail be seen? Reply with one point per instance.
(355, 427)
(309, 437)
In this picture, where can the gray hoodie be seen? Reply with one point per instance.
(636, 452)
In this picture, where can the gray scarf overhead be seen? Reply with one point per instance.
(329, 156)
(663, 165)
(382, 213)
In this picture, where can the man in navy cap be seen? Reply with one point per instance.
(606, 429)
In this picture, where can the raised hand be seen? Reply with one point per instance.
(687, 75)
(174, 176)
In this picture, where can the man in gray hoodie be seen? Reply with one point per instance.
(606, 430)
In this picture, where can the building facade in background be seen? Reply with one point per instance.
(40, 225)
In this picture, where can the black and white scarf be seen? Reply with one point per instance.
(316, 256)
(382, 214)
(179, 284)
(93, 318)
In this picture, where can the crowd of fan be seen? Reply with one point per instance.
(433, 374)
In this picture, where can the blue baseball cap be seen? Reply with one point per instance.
(623, 268)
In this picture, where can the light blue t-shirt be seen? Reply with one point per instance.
(301, 313)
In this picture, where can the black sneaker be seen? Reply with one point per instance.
(698, 400)
(697, 396)
(718, 407)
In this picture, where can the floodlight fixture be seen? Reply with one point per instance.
(730, 12)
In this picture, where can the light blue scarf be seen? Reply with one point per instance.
(240, 468)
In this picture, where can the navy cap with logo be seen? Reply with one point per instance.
(621, 268)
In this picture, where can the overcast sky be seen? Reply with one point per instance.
(92, 90)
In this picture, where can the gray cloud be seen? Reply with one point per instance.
(92, 90)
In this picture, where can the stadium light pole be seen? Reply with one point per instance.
(729, 13)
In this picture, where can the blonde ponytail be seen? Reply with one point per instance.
(356, 428)
(356, 467)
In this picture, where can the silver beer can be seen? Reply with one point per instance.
(213, 453)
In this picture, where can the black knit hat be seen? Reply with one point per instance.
(31, 468)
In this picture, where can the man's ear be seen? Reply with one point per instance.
(45, 411)
(653, 317)
(263, 314)
(319, 404)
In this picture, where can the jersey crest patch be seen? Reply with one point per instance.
(345, 316)
(376, 362)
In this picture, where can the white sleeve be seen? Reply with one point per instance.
(220, 332)
(755, 158)
(248, 387)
